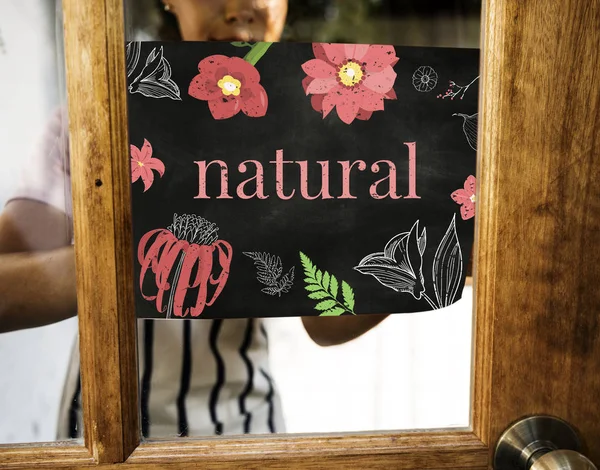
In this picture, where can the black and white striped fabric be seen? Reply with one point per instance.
(197, 378)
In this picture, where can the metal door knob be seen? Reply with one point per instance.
(563, 460)
(540, 443)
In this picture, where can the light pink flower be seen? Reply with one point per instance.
(352, 78)
(466, 198)
(142, 165)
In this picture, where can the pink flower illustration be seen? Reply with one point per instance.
(353, 78)
(229, 84)
(142, 165)
(466, 198)
(190, 249)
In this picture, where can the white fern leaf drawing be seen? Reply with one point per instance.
(286, 282)
(269, 269)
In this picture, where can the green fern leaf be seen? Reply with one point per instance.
(326, 281)
(334, 312)
(348, 295)
(318, 295)
(324, 287)
(333, 286)
(312, 287)
(325, 305)
(309, 267)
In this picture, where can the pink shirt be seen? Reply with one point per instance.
(46, 176)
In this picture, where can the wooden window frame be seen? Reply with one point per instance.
(514, 169)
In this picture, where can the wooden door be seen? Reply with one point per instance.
(537, 262)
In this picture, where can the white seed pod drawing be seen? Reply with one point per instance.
(425, 79)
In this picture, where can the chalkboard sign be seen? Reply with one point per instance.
(300, 179)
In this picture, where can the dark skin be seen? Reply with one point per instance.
(37, 265)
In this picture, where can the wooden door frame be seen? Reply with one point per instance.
(538, 182)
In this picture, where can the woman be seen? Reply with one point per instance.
(199, 377)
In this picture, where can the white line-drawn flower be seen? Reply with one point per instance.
(154, 81)
(399, 266)
(425, 79)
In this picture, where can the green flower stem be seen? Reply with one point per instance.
(257, 51)
(426, 297)
(241, 44)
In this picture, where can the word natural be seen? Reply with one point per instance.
(254, 186)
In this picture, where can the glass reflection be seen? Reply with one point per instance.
(37, 275)
(205, 377)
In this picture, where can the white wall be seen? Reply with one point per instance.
(32, 363)
(410, 372)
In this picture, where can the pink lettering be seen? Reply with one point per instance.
(279, 162)
(412, 170)
(346, 169)
(324, 193)
(258, 180)
(202, 167)
(390, 178)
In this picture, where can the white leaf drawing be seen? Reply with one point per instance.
(154, 81)
(286, 282)
(132, 52)
(447, 267)
(470, 128)
(269, 272)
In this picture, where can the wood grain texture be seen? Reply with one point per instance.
(538, 257)
(94, 47)
(537, 341)
(50, 455)
(449, 450)
(417, 450)
(360, 463)
(363, 462)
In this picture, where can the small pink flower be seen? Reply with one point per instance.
(142, 165)
(466, 198)
(229, 85)
(352, 78)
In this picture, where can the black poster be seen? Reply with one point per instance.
(300, 179)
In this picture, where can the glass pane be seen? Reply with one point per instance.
(222, 373)
(39, 378)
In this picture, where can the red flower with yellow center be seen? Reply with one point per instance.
(229, 85)
(466, 198)
(352, 78)
(143, 165)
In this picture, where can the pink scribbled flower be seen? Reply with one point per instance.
(352, 78)
(142, 165)
(466, 198)
(230, 85)
(190, 249)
